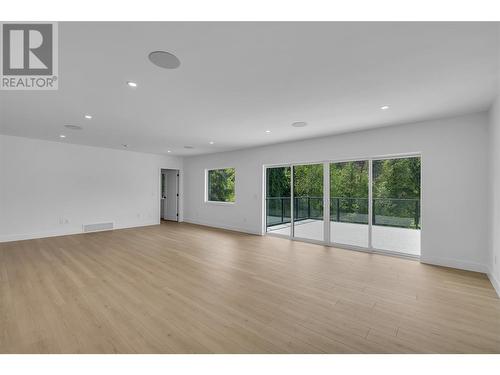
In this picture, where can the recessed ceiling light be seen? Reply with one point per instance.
(268, 131)
(62, 136)
(124, 145)
(73, 127)
(88, 117)
(132, 84)
(299, 124)
(211, 142)
(189, 147)
(169, 151)
(164, 59)
(384, 107)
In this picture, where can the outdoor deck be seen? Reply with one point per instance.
(402, 240)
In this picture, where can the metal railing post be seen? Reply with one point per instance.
(295, 203)
(373, 211)
(417, 214)
(282, 210)
(338, 210)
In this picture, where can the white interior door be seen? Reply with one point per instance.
(172, 187)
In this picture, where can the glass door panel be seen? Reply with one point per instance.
(278, 200)
(349, 203)
(396, 205)
(308, 202)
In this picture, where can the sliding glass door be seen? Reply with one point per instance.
(396, 205)
(278, 200)
(349, 203)
(372, 204)
(308, 202)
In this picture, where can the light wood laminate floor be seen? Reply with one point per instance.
(182, 288)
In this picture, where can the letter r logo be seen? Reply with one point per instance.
(27, 49)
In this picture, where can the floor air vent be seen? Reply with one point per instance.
(97, 227)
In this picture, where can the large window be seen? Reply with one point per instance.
(278, 200)
(372, 204)
(220, 185)
(349, 203)
(308, 201)
(396, 205)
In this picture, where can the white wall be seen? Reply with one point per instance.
(494, 187)
(454, 182)
(494, 195)
(43, 184)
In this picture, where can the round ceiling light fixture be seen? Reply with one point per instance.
(73, 127)
(164, 59)
(299, 124)
(131, 84)
(88, 117)
(62, 136)
(384, 107)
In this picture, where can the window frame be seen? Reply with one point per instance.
(222, 203)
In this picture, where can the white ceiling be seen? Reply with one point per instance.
(237, 80)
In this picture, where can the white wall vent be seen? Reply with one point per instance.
(97, 227)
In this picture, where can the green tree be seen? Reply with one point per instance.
(221, 185)
(396, 191)
(308, 191)
(278, 195)
(349, 191)
(278, 182)
(308, 180)
(349, 179)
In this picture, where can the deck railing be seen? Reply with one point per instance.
(393, 212)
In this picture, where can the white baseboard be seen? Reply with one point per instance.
(454, 263)
(222, 226)
(494, 281)
(32, 236)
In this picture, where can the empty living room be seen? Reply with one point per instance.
(229, 184)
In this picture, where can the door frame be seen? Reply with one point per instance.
(178, 185)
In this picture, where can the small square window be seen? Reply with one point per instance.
(220, 185)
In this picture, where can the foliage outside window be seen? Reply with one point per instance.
(221, 185)
(349, 192)
(308, 191)
(396, 192)
(278, 201)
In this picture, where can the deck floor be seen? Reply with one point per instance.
(401, 240)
